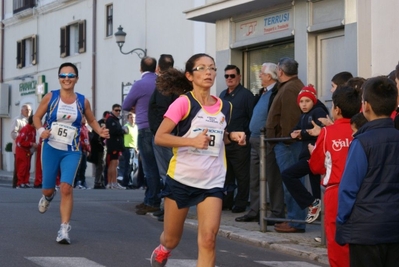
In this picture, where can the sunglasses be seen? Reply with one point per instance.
(226, 76)
(65, 75)
(117, 110)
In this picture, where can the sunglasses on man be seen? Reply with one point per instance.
(226, 76)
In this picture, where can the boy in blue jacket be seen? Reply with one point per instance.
(368, 195)
(312, 109)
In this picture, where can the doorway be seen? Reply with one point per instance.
(330, 61)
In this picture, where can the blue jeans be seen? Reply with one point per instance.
(286, 156)
(150, 168)
(163, 156)
(128, 155)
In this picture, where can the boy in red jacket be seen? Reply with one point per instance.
(328, 157)
(25, 147)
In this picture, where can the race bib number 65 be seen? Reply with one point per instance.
(62, 133)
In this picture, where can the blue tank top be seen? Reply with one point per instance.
(64, 121)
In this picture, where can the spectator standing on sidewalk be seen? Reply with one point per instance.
(137, 101)
(340, 79)
(25, 147)
(130, 151)
(159, 104)
(202, 120)
(114, 146)
(238, 156)
(312, 109)
(80, 179)
(20, 121)
(283, 116)
(98, 155)
(266, 95)
(328, 159)
(368, 194)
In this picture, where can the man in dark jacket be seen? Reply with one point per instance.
(115, 145)
(368, 195)
(158, 105)
(237, 156)
(98, 154)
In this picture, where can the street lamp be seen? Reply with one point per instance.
(120, 37)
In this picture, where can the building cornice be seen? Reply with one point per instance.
(38, 10)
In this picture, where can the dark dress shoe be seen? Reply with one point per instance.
(286, 228)
(247, 218)
(237, 209)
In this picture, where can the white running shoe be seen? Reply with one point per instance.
(118, 186)
(44, 203)
(63, 236)
(313, 211)
(108, 186)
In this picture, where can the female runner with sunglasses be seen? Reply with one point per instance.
(61, 151)
(197, 169)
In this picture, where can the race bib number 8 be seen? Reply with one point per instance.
(62, 133)
(214, 145)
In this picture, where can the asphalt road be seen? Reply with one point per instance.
(105, 232)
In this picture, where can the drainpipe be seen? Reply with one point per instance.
(1, 77)
(94, 57)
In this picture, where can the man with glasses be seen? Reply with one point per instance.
(17, 124)
(115, 146)
(237, 156)
(268, 77)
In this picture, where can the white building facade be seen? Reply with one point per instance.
(324, 36)
(39, 35)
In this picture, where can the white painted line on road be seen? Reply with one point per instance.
(63, 262)
(286, 264)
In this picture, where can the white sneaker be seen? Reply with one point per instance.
(63, 236)
(118, 186)
(313, 211)
(108, 186)
(44, 203)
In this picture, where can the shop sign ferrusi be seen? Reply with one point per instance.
(263, 25)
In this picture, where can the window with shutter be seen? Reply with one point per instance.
(34, 49)
(20, 54)
(63, 42)
(27, 52)
(73, 39)
(82, 36)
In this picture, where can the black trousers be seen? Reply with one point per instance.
(381, 255)
(238, 162)
(297, 190)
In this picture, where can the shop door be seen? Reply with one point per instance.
(255, 59)
(330, 61)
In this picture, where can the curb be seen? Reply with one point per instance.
(270, 242)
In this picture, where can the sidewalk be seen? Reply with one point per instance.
(298, 244)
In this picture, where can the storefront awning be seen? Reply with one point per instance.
(223, 9)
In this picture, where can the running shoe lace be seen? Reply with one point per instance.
(162, 255)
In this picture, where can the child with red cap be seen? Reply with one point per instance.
(312, 109)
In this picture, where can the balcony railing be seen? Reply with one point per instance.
(19, 5)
